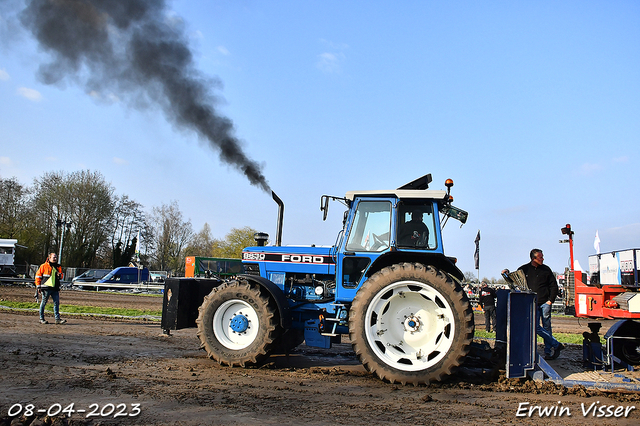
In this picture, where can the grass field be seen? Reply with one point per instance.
(575, 339)
(75, 309)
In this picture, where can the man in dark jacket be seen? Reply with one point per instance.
(487, 301)
(542, 281)
(414, 233)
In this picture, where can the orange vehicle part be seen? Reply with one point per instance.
(596, 302)
(190, 266)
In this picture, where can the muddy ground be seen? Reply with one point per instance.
(115, 368)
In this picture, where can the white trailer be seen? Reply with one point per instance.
(7, 256)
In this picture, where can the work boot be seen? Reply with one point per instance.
(556, 351)
(44, 321)
(61, 321)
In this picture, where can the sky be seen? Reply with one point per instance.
(532, 108)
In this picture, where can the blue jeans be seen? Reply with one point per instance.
(544, 330)
(55, 296)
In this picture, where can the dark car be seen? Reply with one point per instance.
(126, 275)
(92, 275)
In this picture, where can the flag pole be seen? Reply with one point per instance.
(476, 255)
(138, 255)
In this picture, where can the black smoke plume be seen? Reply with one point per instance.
(136, 49)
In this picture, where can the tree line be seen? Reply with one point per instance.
(98, 228)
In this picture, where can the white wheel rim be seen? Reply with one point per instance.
(409, 325)
(222, 324)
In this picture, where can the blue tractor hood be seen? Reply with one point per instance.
(302, 259)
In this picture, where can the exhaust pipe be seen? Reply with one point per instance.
(280, 218)
(261, 238)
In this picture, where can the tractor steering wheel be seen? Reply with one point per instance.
(377, 242)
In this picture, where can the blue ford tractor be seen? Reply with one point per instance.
(386, 283)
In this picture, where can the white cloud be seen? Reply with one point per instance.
(6, 161)
(120, 161)
(174, 20)
(623, 159)
(619, 237)
(109, 98)
(329, 62)
(626, 228)
(31, 94)
(223, 50)
(4, 75)
(588, 168)
(197, 35)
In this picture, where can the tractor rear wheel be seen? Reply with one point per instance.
(411, 324)
(237, 324)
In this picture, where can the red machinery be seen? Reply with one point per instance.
(613, 292)
(614, 289)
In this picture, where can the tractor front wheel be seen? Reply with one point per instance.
(237, 324)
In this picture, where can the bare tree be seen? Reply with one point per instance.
(202, 243)
(470, 277)
(45, 208)
(128, 218)
(83, 200)
(15, 220)
(13, 208)
(171, 234)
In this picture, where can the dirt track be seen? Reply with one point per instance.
(97, 361)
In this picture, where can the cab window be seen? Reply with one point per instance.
(416, 226)
(371, 227)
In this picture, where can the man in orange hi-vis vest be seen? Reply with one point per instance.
(48, 280)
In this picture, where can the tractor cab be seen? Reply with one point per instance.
(381, 228)
(386, 227)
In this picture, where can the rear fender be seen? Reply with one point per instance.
(277, 294)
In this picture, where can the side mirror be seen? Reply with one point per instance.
(324, 206)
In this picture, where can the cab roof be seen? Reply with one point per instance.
(400, 193)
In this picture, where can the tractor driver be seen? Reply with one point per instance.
(414, 233)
